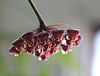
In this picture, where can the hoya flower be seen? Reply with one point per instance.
(46, 40)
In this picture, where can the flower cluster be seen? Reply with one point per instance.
(45, 42)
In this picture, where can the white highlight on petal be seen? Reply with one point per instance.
(64, 42)
(70, 50)
(39, 58)
(39, 50)
(64, 52)
(15, 55)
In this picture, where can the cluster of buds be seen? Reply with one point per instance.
(44, 43)
(46, 40)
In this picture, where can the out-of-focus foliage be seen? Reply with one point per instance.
(68, 60)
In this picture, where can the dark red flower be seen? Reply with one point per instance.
(15, 51)
(43, 57)
(65, 49)
(28, 49)
(19, 44)
(78, 41)
(46, 40)
(43, 36)
(57, 34)
(37, 53)
(43, 44)
(28, 37)
(72, 33)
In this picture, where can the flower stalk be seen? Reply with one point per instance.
(62, 25)
(41, 21)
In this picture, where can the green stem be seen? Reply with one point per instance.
(41, 21)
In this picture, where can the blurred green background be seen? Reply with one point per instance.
(17, 17)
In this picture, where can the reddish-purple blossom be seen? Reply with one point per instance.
(57, 34)
(28, 37)
(46, 42)
(15, 51)
(19, 44)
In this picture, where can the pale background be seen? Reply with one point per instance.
(17, 17)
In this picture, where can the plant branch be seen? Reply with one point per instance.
(41, 21)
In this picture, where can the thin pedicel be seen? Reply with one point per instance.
(46, 40)
(41, 21)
